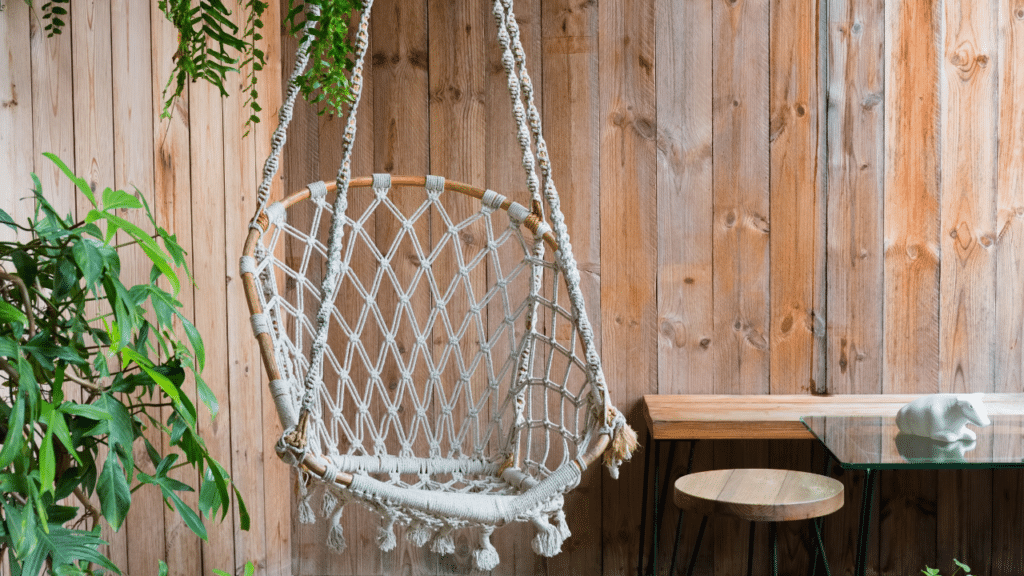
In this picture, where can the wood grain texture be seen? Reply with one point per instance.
(133, 105)
(277, 482)
(759, 495)
(628, 196)
(16, 158)
(685, 223)
(741, 196)
(244, 368)
(969, 85)
(1008, 488)
(570, 96)
(911, 262)
(797, 204)
(856, 166)
(52, 115)
(210, 262)
(92, 87)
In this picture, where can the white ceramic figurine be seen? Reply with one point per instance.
(943, 417)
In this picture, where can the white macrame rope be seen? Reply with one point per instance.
(514, 61)
(330, 280)
(473, 407)
(277, 141)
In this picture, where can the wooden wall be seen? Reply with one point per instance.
(765, 196)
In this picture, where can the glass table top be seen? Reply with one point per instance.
(862, 442)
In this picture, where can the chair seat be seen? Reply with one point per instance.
(760, 495)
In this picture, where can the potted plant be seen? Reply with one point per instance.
(86, 364)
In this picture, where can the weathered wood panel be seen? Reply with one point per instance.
(714, 232)
(16, 157)
(969, 87)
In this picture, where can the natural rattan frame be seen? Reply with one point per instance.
(315, 463)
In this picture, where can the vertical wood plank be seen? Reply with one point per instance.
(568, 57)
(856, 160)
(685, 223)
(92, 86)
(740, 105)
(911, 222)
(506, 176)
(855, 171)
(797, 196)
(1008, 346)
(277, 480)
(741, 203)
(628, 200)
(173, 210)
(133, 106)
(206, 139)
(244, 384)
(16, 117)
(400, 145)
(911, 261)
(52, 114)
(969, 88)
(969, 149)
(458, 140)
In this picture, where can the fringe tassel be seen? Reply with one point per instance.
(419, 533)
(386, 534)
(485, 557)
(548, 541)
(444, 542)
(624, 442)
(329, 503)
(306, 514)
(336, 537)
(562, 526)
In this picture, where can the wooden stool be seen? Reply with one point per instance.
(758, 495)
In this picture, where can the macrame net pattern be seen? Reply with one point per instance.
(445, 371)
(427, 341)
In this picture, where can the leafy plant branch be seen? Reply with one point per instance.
(57, 444)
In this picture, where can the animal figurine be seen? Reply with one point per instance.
(943, 417)
(920, 449)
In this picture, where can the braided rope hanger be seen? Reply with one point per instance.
(434, 514)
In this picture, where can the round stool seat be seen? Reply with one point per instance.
(759, 495)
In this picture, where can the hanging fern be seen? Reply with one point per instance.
(325, 82)
(211, 45)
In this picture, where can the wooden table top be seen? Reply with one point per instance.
(775, 416)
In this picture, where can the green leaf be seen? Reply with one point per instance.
(80, 183)
(5, 218)
(113, 199)
(9, 348)
(47, 461)
(115, 494)
(195, 340)
(15, 439)
(192, 520)
(90, 411)
(89, 260)
(122, 431)
(9, 314)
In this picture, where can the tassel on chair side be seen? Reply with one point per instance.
(485, 557)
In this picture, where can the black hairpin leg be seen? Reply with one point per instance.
(750, 550)
(696, 546)
(773, 535)
(679, 521)
(817, 522)
(867, 500)
(643, 505)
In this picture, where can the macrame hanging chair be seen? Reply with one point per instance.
(427, 344)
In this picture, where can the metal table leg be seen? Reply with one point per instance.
(679, 522)
(643, 505)
(867, 500)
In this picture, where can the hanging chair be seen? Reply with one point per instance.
(427, 345)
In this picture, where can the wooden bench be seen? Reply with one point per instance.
(774, 416)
